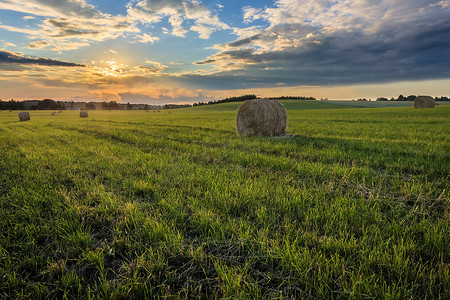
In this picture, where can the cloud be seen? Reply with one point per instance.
(150, 67)
(68, 24)
(335, 42)
(443, 4)
(26, 77)
(146, 38)
(177, 13)
(9, 44)
(7, 57)
(52, 8)
(251, 14)
(71, 24)
(162, 99)
(21, 30)
(38, 44)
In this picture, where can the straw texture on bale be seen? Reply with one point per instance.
(24, 116)
(424, 102)
(262, 117)
(84, 114)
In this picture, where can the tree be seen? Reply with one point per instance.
(411, 98)
(14, 105)
(90, 106)
(113, 105)
(129, 106)
(47, 104)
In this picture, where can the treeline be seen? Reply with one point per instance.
(226, 100)
(251, 97)
(410, 98)
(11, 105)
(293, 98)
(49, 104)
(37, 105)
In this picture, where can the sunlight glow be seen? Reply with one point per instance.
(113, 69)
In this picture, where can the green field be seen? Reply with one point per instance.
(135, 205)
(375, 104)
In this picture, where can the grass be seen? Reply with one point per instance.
(377, 104)
(155, 205)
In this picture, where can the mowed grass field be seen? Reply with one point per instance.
(134, 205)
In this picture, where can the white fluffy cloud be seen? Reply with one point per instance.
(177, 12)
(52, 8)
(68, 24)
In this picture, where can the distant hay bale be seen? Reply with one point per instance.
(84, 114)
(263, 117)
(424, 102)
(24, 116)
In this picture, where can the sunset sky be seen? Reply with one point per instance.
(178, 51)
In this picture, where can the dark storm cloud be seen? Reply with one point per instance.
(7, 57)
(395, 49)
(245, 41)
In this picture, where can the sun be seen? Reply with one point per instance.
(112, 68)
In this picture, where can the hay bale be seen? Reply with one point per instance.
(263, 117)
(24, 116)
(424, 102)
(84, 114)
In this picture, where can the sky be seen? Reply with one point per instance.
(184, 51)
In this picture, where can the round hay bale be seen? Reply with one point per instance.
(262, 117)
(424, 102)
(84, 114)
(24, 116)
